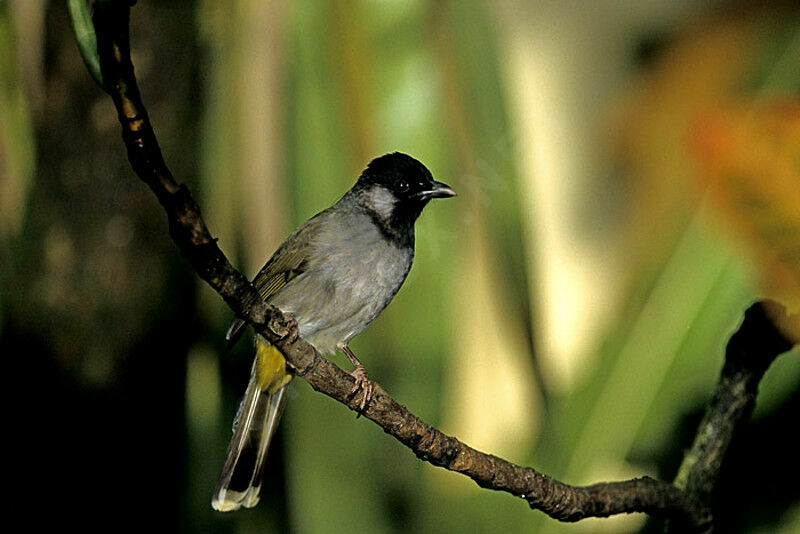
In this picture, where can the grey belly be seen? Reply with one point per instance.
(339, 295)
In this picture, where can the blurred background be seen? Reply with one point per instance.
(629, 181)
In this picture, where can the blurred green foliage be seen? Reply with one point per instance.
(269, 111)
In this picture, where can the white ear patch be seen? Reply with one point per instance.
(381, 201)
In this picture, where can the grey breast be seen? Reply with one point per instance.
(351, 276)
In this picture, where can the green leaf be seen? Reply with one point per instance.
(80, 16)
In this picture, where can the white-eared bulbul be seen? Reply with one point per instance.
(334, 274)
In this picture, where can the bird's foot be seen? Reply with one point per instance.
(285, 327)
(363, 382)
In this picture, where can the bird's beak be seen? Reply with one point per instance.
(439, 190)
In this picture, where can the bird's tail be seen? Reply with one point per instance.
(258, 415)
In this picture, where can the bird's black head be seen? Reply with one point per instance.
(394, 188)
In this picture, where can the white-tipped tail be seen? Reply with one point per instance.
(258, 415)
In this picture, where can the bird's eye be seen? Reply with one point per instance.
(402, 186)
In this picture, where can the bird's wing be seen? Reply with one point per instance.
(288, 262)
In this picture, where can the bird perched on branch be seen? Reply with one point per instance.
(334, 274)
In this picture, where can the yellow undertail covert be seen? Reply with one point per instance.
(270, 367)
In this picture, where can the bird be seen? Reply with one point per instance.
(334, 274)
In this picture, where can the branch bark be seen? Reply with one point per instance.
(750, 351)
(686, 504)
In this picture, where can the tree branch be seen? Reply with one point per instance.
(750, 351)
(559, 500)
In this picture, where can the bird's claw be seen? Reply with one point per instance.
(363, 384)
(285, 327)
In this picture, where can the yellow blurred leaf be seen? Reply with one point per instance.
(749, 162)
(724, 57)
